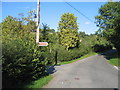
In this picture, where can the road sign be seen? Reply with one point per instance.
(43, 44)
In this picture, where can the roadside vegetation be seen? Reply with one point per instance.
(114, 59)
(83, 57)
(108, 22)
(39, 83)
(24, 61)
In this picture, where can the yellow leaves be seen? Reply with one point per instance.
(35, 60)
(68, 28)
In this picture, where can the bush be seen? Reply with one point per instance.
(63, 55)
(76, 53)
(22, 61)
(67, 55)
(49, 56)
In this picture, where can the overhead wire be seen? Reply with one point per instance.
(79, 11)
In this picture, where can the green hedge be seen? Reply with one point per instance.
(22, 61)
(65, 55)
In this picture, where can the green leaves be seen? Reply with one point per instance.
(22, 59)
(68, 30)
(108, 22)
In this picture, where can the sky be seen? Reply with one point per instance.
(50, 12)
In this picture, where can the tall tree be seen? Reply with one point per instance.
(68, 30)
(11, 28)
(109, 22)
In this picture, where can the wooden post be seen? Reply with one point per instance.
(38, 21)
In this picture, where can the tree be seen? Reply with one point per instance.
(68, 30)
(115, 37)
(109, 22)
(11, 28)
(29, 21)
(22, 60)
(45, 30)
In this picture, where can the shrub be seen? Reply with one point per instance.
(49, 56)
(63, 55)
(22, 61)
(67, 55)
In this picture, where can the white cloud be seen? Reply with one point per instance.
(87, 22)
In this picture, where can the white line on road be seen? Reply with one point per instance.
(116, 67)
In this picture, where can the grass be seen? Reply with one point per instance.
(85, 56)
(40, 82)
(114, 59)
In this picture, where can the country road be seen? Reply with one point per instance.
(92, 72)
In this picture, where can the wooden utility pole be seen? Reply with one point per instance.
(38, 21)
(38, 26)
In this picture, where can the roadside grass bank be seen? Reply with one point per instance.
(39, 83)
(114, 59)
(85, 56)
(88, 55)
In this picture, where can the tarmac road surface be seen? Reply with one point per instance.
(91, 72)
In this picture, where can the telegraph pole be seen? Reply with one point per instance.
(38, 21)
(38, 26)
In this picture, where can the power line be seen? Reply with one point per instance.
(79, 11)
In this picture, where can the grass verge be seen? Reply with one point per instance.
(114, 59)
(40, 82)
(85, 56)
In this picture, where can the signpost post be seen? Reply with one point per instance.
(38, 21)
(38, 26)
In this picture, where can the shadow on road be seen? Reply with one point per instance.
(52, 69)
(109, 54)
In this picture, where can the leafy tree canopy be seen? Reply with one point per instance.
(109, 22)
(68, 30)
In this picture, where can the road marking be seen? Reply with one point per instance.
(62, 85)
(116, 67)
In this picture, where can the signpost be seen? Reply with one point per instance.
(43, 44)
